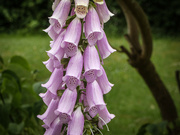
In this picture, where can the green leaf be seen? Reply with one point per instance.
(3, 130)
(17, 97)
(142, 129)
(1, 62)
(38, 88)
(9, 74)
(15, 128)
(4, 113)
(20, 61)
(37, 108)
(69, 19)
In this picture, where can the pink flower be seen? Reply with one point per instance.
(55, 128)
(103, 12)
(91, 64)
(73, 72)
(56, 50)
(49, 115)
(76, 125)
(66, 105)
(104, 48)
(54, 83)
(47, 97)
(92, 27)
(72, 37)
(103, 82)
(57, 20)
(81, 8)
(105, 117)
(51, 32)
(94, 97)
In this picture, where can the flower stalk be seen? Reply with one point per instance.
(75, 90)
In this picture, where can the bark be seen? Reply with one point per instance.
(140, 55)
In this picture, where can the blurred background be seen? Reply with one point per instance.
(22, 50)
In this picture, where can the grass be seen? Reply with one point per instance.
(130, 99)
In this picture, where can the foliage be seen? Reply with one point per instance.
(31, 15)
(163, 15)
(27, 15)
(161, 128)
(19, 104)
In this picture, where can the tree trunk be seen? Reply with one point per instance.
(139, 57)
(159, 91)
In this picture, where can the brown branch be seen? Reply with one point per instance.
(136, 11)
(141, 61)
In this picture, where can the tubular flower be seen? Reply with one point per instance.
(55, 127)
(104, 48)
(103, 12)
(49, 116)
(94, 97)
(76, 125)
(57, 20)
(91, 64)
(72, 37)
(81, 8)
(104, 117)
(103, 82)
(55, 81)
(66, 105)
(74, 96)
(73, 72)
(92, 27)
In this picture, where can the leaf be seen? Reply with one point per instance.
(15, 128)
(17, 97)
(3, 130)
(1, 62)
(37, 108)
(4, 113)
(20, 61)
(69, 19)
(9, 73)
(38, 88)
(142, 129)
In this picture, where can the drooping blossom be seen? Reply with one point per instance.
(51, 32)
(73, 71)
(104, 83)
(91, 64)
(56, 50)
(55, 128)
(104, 48)
(66, 105)
(72, 37)
(92, 27)
(49, 116)
(47, 97)
(60, 14)
(94, 97)
(76, 125)
(54, 83)
(103, 12)
(81, 8)
(105, 117)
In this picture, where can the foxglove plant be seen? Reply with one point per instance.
(75, 89)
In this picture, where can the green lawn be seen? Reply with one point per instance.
(130, 100)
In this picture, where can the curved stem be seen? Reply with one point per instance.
(133, 8)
